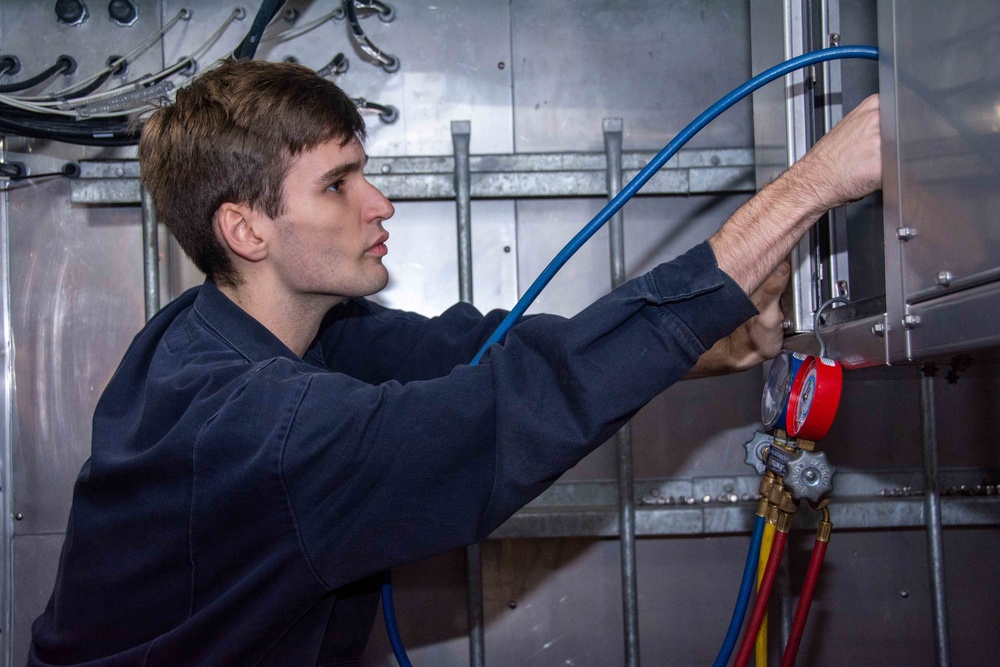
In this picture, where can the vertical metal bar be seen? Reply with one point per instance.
(150, 255)
(6, 442)
(932, 515)
(626, 492)
(460, 133)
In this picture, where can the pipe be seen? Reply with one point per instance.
(460, 133)
(626, 488)
(389, 615)
(474, 601)
(760, 604)
(743, 599)
(932, 515)
(695, 126)
(150, 256)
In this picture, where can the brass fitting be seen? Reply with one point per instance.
(824, 528)
(786, 503)
(762, 507)
(772, 514)
(784, 524)
(807, 445)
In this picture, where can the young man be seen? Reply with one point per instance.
(272, 440)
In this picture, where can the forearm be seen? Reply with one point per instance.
(764, 230)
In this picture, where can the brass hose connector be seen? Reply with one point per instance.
(824, 528)
(784, 524)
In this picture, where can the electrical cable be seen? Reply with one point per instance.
(63, 64)
(746, 589)
(388, 62)
(633, 186)
(806, 598)
(183, 14)
(292, 33)
(763, 595)
(760, 647)
(248, 47)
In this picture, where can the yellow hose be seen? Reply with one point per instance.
(765, 550)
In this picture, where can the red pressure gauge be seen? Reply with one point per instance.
(814, 399)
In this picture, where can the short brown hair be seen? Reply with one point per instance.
(230, 137)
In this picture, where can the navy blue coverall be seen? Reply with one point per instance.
(239, 500)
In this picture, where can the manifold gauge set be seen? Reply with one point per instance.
(801, 397)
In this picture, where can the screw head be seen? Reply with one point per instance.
(944, 278)
(911, 321)
(878, 329)
(905, 233)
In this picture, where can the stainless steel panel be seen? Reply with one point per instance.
(36, 559)
(76, 303)
(656, 65)
(423, 264)
(948, 115)
(963, 321)
(443, 75)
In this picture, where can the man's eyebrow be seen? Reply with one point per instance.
(342, 169)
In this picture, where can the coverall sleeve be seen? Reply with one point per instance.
(376, 344)
(377, 476)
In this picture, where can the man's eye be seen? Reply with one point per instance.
(335, 186)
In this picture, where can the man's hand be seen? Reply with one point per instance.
(846, 164)
(757, 340)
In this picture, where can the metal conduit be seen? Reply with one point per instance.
(460, 133)
(626, 491)
(932, 515)
(150, 256)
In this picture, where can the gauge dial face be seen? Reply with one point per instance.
(806, 398)
(776, 390)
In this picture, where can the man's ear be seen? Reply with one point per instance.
(242, 230)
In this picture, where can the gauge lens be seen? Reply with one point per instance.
(776, 390)
(806, 399)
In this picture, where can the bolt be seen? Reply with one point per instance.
(715, 160)
(944, 278)
(786, 325)
(501, 65)
(706, 499)
(512, 604)
(911, 321)
(905, 233)
(841, 288)
(655, 493)
(834, 39)
(878, 329)
(904, 594)
(386, 168)
(728, 488)
(506, 248)
(733, 497)
(690, 501)
(811, 476)
(18, 516)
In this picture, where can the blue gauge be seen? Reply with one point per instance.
(774, 402)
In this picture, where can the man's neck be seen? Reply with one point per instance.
(293, 319)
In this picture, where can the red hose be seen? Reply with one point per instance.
(802, 610)
(760, 604)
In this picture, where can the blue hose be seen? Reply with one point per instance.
(743, 600)
(389, 614)
(633, 186)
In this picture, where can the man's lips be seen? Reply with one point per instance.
(379, 248)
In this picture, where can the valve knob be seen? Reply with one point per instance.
(756, 451)
(809, 476)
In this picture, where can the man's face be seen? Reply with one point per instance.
(329, 240)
